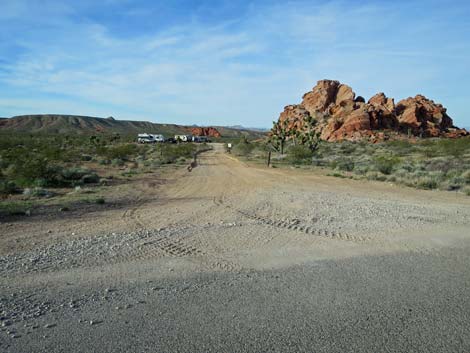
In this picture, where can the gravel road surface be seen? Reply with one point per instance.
(237, 258)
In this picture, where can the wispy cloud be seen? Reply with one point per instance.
(237, 69)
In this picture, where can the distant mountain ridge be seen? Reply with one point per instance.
(87, 125)
(241, 127)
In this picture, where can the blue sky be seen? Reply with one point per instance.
(226, 62)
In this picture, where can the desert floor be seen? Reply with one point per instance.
(233, 257)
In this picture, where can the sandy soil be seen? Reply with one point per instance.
(232, 257)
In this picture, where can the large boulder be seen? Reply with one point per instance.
(382, 112)
(350, 128)
(422, 116)
(325, 94)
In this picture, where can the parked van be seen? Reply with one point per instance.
(200, 139)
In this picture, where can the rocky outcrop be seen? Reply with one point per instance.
(342, 116)
(422, 115)
(205, 131)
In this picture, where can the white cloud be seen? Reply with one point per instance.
(240, 71)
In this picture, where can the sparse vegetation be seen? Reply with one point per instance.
(32, 167)
(442, 164)
(243, 147)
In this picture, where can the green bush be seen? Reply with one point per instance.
(386, 165)
(361, 169)
(117, 162)
(243, 148)
(428, 183)
(91, 178)
(100, 201)
(8, 188)
(299, 154)
(74, 173)
(466, 176)
(345, 164)
(15, 208)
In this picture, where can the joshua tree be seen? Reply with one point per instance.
(309, 136)
(279, 135)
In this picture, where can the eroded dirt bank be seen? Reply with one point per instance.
(236, 258)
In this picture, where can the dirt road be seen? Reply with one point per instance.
(231, 258)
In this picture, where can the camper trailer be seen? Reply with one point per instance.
(150, 138)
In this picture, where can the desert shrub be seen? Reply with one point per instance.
(345, 164)
(381, 177)
(15, 208)
(24, 171)
(347, 147)
(104, 161)
(466, 177)
(439, 164)
(100, 201)
(372, 175)
(401, 147)
(454, 147)
(243, 148)
(337, 175)
(361, 169)
(74, 173)
(467, 191)
(90, 178)
(385, 164)
(319, 162)
(8, 188)
(427, 182)
(409, 167)
(299, 154)
(117, 162)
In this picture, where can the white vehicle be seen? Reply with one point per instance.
(150, 138)
(159, 138)
(183, 138)
(200, 139)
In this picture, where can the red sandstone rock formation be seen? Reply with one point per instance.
(341, 116)
(205, 131)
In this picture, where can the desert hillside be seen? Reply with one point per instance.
(73, 124)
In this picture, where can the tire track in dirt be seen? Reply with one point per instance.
(308, 229)
(176, 243)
